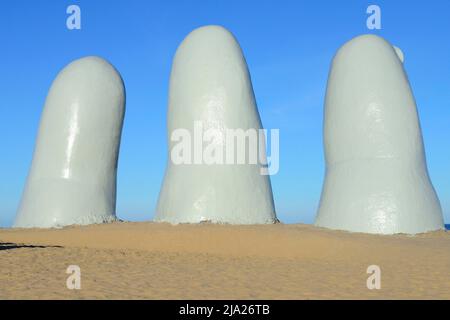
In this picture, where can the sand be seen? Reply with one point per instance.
(160, 261)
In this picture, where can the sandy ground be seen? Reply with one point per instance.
(160, 261)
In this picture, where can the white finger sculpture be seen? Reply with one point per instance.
(376, 174)
(211, 94)
(72, 179)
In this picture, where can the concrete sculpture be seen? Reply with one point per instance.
(376, 174)
(72, 179)
(210, 88)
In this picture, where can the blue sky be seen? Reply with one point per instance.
(288, 46)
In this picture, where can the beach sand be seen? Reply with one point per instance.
(159, 261)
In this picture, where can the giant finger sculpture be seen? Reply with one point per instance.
(376, 174)
(211, 90)
(72, 179)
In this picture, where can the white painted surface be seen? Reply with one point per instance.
(72, 179)
(376, 174)
(210, 83)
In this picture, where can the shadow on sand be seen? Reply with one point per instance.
(11, 246)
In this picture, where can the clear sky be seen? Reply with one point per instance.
(288, 46)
